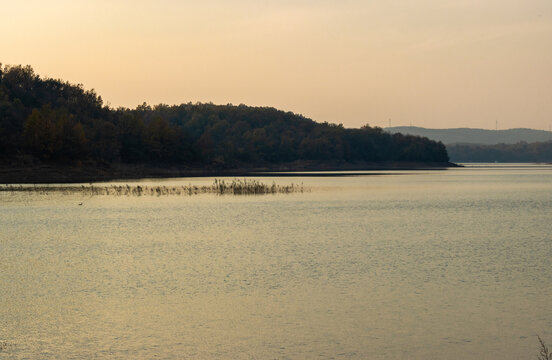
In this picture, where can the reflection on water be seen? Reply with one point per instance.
(440, 264)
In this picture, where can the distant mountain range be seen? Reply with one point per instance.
(475, 136)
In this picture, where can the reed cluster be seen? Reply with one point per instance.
(252, 187)
(544, 353)
(221, 187)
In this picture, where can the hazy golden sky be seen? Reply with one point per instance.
(432, 63)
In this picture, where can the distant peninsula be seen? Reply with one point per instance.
(54, 131)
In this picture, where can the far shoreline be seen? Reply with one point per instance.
(65, 174)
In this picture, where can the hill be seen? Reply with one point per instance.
(475, 136)
(49, 123)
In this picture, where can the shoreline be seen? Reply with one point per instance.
(63, 174)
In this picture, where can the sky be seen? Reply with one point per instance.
(429, 63)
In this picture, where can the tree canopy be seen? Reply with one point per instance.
(55, 121)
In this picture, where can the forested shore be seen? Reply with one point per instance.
(53, 130)
(521, 152)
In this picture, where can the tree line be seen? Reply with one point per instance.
(54, 121)
(519, 152)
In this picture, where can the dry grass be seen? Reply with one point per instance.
(544, 353)
(221, 187)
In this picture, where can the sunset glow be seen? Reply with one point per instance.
(429, 63)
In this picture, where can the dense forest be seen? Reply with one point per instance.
(520, 152)
(52, 121)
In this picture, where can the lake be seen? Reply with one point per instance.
(452, 264)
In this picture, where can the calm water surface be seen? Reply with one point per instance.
(449, 264)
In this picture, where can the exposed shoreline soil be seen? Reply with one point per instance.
(49, 174)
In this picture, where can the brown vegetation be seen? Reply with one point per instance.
(544, 353)
(221, 187)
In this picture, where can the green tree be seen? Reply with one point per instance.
(41, 133)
